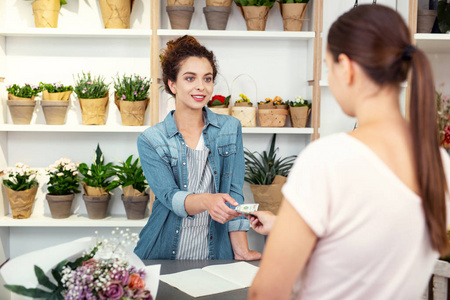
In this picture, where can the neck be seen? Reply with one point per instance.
(380, 107)
(189, 119)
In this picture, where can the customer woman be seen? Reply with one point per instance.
(194, 164)
(364, 215)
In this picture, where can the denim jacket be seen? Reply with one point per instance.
(162, 151)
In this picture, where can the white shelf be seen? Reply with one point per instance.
(279, 130)
(72, 221)
(70, 128)
(433, 42)
(71, 33)
(240, 34)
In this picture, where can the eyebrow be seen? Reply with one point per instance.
(192, 73)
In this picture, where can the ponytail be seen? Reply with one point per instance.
(427, 156)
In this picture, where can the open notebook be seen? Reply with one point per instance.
(212, 279)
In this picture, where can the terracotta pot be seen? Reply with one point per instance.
(425, 20)
(55, 111)
(180, 16)
(21, 202)
(21, 111)
(96, 206)
(60, 205)
(216, 17)
(135, 207)
(116, 13)
(46, 13)
(293, 15)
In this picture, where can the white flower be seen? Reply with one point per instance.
(60, 174)
(89, 172)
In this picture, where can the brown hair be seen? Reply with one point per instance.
(179, 50)
(377, 38)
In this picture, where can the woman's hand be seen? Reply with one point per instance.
(262, 221)
(218, 210)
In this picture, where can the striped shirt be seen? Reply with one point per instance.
(193, 242)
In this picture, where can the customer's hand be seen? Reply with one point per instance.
(219, 211)
(250, 255)
(262, 221)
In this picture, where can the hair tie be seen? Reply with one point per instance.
(408, 52)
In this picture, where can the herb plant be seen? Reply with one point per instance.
(263, 168)
(129, 173)
(63, 178)
(90, 87)
(132, 88)
(25, 91)
(98, 174)
(55, 87)
(20, 178)
(268, 3)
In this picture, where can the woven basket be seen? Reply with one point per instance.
(245, 114)
(272, 117)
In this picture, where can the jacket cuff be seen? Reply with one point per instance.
(178, 203)
(239, 224)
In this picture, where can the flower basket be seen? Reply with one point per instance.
(244, 112)
(255, 17)
(116, 13)
(221, 109)
(46, 13)
(21, 202)
(293, 15)
(21, 109)
(269, 196)
(132, 112)
(299, 115)
(180, 13)
(217, 17)
(272, 117)
(93, 111)
(60, 205)
(266, 106)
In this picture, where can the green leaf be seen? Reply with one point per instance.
(43, 279)
(29, 292)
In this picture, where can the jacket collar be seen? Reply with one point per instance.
(171, 126)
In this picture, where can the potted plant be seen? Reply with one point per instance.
(266, 175)
(132, 179)
(180, 13)
(46, 12)
(279, 103)
(293, 13)
(131, 97)
(93, 95)
(217, 13)
(219, 104)
(270, 115)
(21, 187)
(95, 184)
(55, 101)
(21, 102)
(299, 109)
(244, 111)
(63, 183)
(116, 13)
(255, 12)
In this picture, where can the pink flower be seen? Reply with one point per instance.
(123, 97)
(114, 291)
(89, 82)
(135, 93)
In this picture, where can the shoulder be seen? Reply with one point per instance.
(153, 134)
(328, 148)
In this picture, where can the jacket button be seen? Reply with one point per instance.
(182, 143)
(226, 152)
(173, 252)
(185, 186)
(210, 237)
(176, 231)
(209, 152)
(204, 133)
(184, 164)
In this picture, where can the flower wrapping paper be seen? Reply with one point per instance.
(20, 270)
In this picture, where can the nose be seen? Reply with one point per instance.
(200, 85)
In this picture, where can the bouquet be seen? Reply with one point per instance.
(63, 177)
(25, 91)
(104, 271)
(219, 100)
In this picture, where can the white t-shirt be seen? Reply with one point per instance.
(373, 242)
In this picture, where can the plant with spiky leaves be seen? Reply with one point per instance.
(98, 174)
(263, 168)
(129, 173)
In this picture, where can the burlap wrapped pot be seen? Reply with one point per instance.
(46, 13)
(93, 111)
(293, 15)
(21, 202)
(255, 17)
(269, 196)
(116, 13)
(299, 115)
(132, 112)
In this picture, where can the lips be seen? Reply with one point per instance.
(198, 98)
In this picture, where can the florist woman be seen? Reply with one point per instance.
(194, 164)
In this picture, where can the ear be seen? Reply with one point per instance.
(347, 68)
(172, 86)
